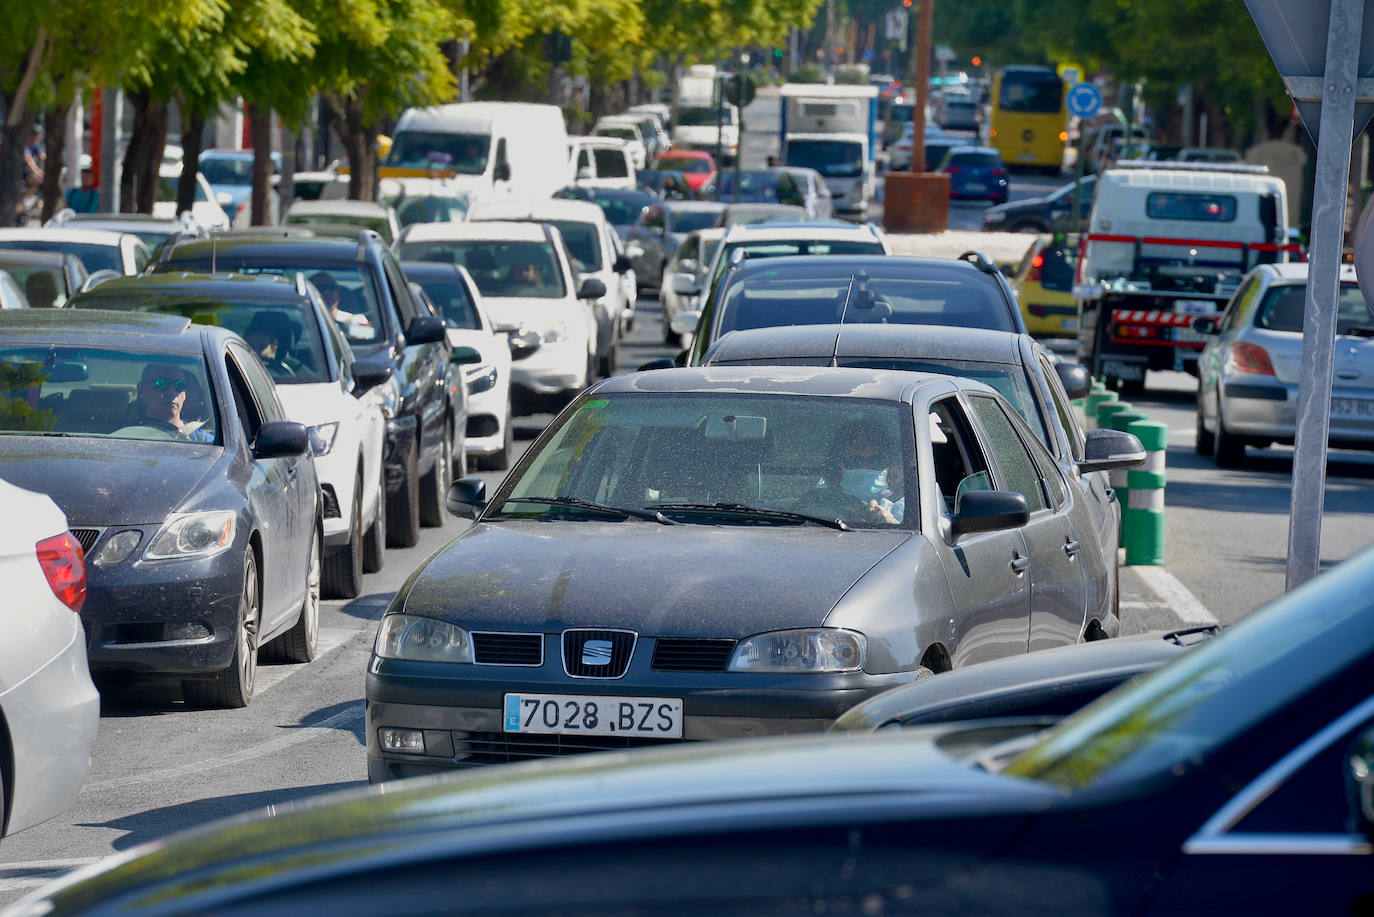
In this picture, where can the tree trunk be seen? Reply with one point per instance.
(138, 182)
(260, 131)
(151, 175)
(12, 139)
(55, 142)
(192, 135)
(360, 145)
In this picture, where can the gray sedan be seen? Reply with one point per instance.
(659, 232)
(1248, 374)
(804, 538)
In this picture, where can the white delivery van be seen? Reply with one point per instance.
(490, 149)
(699, 110)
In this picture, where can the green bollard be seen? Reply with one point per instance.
(1090, 405)
(1106, 409)
(1143, 515)
(1120, 477)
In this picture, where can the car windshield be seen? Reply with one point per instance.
(976, 161)
(621, 211)
(431, 210)
(227, 170)
(450, 295)
(610, 163)
(498, 267)
(781, 453)
(1284, 305)
(377, 224)
(704, 116)
(1173, 720)
(835, 158)
(779, 248)
(92, 257)
(1031, 92)
(693, 164)
(116, 393)
(450, 151)
(285, 335)
(621, 133)
(820, 293)
(691, 220)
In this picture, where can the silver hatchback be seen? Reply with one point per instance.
(1249, 372)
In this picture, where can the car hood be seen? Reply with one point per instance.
(108, 481)
(679, 580)
(807, 782)
(531, 311)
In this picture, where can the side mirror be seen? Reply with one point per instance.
(1076, 379)
(281, 439)
(368, 374)
(592, 288)
(685, 322)
(1104, 450)
(1205, 324)
(989, 511)
(501, 172)
(522, 344)
(467, 497)
(465, 355)
(687, 266)
(660, 363)
(686, 285)
(1359, 784)
(622, 264)
(425, 329)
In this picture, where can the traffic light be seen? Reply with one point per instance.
(906, 3)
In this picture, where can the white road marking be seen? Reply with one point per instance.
(328, 640)
(1174, 595)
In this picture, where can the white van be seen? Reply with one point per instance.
(491, 149)
(601, 162)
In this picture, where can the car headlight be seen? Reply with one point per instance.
(422, 640)
(322, 437)
(482, 379)
(117, 548)
(389, 399)
(554, 333)
(820, 649)
(193, 535)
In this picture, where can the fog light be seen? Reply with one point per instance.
(410, 741)
(187, 631)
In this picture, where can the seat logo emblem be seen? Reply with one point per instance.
(596, 652)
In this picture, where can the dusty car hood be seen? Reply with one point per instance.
(680, 580)
(108, 481)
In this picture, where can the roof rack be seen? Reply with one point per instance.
(980, 260)
(1174, 166)
(366, 239)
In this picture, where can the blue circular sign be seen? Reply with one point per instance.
(1084, 100)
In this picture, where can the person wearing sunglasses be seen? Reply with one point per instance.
(161, 401)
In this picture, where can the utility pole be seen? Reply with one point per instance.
(829, 42)
(921, 67)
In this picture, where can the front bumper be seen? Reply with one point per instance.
(138, 613)
(462, 722)
(52, 718)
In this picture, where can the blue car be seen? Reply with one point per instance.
(975, 172)
(230, 174)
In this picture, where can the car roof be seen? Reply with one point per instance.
(325, 250)
(340, 208)
(677, 153)
(693, 206)
(824, 381)
(1296, 272)
(131, 330)
(546, 209)
(973, 148)
(889, 341)
(509, 230)
(762, 232)
(77, 236)
(270, 287)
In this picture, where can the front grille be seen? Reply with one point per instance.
(680, 654)
(331, 502)
(87, 537)
(508, 649)
(477, 748)
(586, 654)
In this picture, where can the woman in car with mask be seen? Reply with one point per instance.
(864, 483)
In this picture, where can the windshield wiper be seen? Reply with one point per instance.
(602, 508)
(743, 509)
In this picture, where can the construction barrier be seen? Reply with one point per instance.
(1120, 477)
(1142, 516)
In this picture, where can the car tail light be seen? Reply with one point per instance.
(992, 132)
(1251, 358)
(1063, 136)
(64, 564)
(953, 170)
(999, 173)
(1037, 263)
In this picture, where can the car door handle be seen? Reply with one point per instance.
(1072, 548)
(1020, 563)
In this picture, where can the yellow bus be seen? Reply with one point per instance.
(1028, 123)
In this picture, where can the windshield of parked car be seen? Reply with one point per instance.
(822, 457)
(836, 158)
(434, 209)
(449, 151)
(820, 292)
(450, 296)
(1284, 305)
(115, 393)
(1177, 716)
(498, 267)
(92, 257)
(284, 334)
(621, 133)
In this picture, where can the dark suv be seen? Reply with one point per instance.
(425, 401)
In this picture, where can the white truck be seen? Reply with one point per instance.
(703, 116)
(833, 130)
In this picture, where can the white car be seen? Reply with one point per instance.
(49, 709)
(601, 162)
(527, 280)
(205, 209)
(120, 253)
(628, 129)
(455, 298)
(337, 217)
(593, 245)
(685, 272)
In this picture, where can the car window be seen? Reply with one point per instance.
(450, 295)
(1067, 420)
(259, 383)
(1181, 205)
(1284, 305)
(1018, 469)
(1240, 303)
(611, 163)
(580, 237)
(400, 292)
(959, 462)
(93, 257)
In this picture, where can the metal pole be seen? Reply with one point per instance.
(110, 166)
(1335, 134)
(921, 67)
(1078, 188)
(718, 99)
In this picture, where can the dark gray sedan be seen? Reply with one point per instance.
(194, 498)
(803, 538)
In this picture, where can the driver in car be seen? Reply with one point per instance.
(162, 392)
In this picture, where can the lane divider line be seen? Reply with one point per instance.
(1175, 596)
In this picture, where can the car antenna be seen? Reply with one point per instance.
(212, 253)
(835, 353)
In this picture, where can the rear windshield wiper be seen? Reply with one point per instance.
(594, 507)
(743, 509)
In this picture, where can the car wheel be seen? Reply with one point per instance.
(343, 570)
(500, 460)
(403, 507)
(434, 486)
(300, 642)
(1205, 443)
(233, 687)
(374, 541)
(1228, 450)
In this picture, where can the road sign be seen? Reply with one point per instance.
(1084, 100)
(895, 25)
(739, 89)
(1070, 75)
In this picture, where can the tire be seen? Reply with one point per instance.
(403, 508)
(374, 540)
(343, 570)
(233, 687)
(500, 460)
(300, 643)
(1228, 450)
(434, 486)
(1205, 443)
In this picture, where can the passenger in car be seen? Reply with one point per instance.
(857, 477)
(269, 333)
